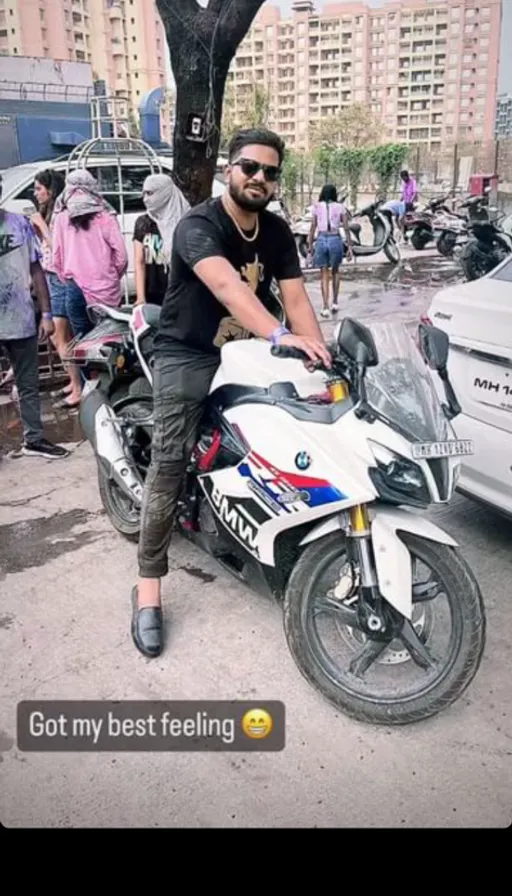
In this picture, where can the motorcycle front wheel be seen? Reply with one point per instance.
(415, 676)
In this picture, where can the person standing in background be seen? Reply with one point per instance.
(20, 268)
(328, 216)
(153, 235)
(48, 186)
(88, 248)
(409, 191)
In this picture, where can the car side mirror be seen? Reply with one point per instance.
(435, 345)
(356, 341)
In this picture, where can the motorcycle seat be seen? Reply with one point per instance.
(151, 314)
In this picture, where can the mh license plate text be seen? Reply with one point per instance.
(454, 448)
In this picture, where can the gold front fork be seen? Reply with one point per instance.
(359, 520)
(338, 389)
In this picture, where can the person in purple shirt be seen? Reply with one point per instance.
(409, 190)
(20, 269)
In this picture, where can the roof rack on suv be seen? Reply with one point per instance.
(111, 136)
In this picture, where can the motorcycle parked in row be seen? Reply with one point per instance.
(422, 224)
(453, 226)
(302, 486)
(486, 247)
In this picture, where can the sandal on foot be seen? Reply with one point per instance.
(146, 627)
(66, 405)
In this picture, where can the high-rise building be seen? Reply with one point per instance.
(503, 116)
(427, 68)
(124, 40)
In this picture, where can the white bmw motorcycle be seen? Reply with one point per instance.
(313, 488)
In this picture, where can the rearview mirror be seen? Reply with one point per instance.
(434, 345)
(356, 341)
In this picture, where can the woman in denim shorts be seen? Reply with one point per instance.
(67, 301)
(328, 216)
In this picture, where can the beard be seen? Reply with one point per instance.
(248, 203)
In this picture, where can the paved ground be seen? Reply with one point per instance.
(65, 579)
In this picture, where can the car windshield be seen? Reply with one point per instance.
(400, 388)
(14, 177)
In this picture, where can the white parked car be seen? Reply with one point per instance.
(18, 190)
(477, 317)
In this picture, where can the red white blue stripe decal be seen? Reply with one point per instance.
(277, 482)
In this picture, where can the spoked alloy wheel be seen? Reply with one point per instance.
(417, 674)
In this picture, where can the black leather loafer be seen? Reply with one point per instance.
(147, 628)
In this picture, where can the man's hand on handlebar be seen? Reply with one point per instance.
(313, 348)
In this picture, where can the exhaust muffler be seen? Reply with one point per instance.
(101, 428)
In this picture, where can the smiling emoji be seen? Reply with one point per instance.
(257, 723)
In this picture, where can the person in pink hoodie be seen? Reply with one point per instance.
(88, 246)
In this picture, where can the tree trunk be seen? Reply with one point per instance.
(202, 43)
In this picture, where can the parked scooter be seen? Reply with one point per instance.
(383, 233)
(300, 486)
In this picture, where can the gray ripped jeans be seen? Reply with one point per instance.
(180, 387)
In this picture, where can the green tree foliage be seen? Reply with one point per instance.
(386, 161)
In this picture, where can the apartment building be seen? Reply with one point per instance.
(427, 68)
(123, 40)
(503, 126)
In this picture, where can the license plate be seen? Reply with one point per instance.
(493, 388)
(453, 448)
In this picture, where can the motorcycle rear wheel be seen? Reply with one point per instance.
(420, 238)
(477, 261)
(123, 514)
(349, 690)
(446, 244)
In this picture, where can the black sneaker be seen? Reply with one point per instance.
(44, 448)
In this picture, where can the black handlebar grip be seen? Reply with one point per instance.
(288, 351)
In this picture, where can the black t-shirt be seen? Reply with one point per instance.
(156, 271)
(192, 319)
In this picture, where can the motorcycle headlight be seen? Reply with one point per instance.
(397, 479)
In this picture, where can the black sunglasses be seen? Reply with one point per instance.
(250, 168)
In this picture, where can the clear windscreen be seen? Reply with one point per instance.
(400, 387)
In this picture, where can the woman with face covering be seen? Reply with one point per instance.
(153, 234)
(88, 245)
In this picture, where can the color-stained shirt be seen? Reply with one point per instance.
(18, 250)
(95, 259)
(329, 215)
(409, 190)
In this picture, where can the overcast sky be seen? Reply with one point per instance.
(505, 80)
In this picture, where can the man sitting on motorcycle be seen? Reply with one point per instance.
(226, 251)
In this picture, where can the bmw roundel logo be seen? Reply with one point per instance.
(302, 460)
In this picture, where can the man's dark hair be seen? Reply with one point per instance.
(252, 137)
(404, 173)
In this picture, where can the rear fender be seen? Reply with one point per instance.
(392, 559)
